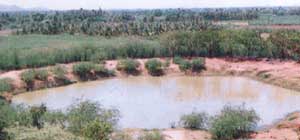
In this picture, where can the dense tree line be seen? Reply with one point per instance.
(207, 43)
(129, 22)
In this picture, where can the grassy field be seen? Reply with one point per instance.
(276, 20)
(65, 40)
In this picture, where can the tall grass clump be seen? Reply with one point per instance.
(129, 66)
(194, 121)
(233, 122)
(154, 67)
(177, 60)
(41, 74)
(59, 72)
(185, 65)
(101, 71)
(83, 70)
(198, 64)
(98, 130)
(6, 85)
(28, 77)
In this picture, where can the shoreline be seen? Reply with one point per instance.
(287, 77)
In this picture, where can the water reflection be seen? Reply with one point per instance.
(155, 102)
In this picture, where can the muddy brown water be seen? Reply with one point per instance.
(156, 102)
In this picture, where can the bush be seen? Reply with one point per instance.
(98, 130)
(83, 114)
(56, 118)
(37, 114)
(101, 71)
(7, 115)
(41, 74)
(233, 123)
(198, 64)
(185, 65)
(129, 66)
(6, 85)
(155, 135)
(59, 72)
(83, 69)
(28, 77)
(154, 67)
(194, 121)
(177, 60)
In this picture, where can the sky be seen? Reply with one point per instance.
(144, 4)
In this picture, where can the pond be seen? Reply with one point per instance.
(156, 102)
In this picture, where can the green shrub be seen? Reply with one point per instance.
(81, 115)
(37, 114)
(28, 77)
(6, 85)
(41, 74)
(56, 118)
(233, 122)
(83, 69)
(198, 64)
(59, 72)
(101, 71)
(177, 60)
(98, 130)
(194, 121)
(154, 67)
(155, 135)
(7, 115)
(129, 66)
(185, 65)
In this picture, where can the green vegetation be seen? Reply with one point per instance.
(233, 123)
(154, 67)
(6, 85)
(155, 135)
(89, 70)
(86, 119)
(83, 70)
(41, 74)
(59, 72)
(185, 65)
(87, 115)
(198, 64)
(101, 71)
(28, 77)
(129, 66)
(97, 130)
(269, 19)
(36, 115)
(194, 121)
(177, 60)
(205, 43)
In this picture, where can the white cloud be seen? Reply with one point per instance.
(133, 4)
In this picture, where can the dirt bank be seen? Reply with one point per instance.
(281, 73)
